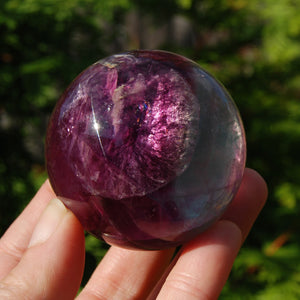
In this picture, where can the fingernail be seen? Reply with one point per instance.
(48, 222)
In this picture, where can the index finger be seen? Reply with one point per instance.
(248, 202)
(204, 264)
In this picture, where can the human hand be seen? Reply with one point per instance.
(42, 255)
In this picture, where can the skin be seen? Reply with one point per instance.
(42, 255)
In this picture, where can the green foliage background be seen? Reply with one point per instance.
(253, 47)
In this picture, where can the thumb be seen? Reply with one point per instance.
(52, 266)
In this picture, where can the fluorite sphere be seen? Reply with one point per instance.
(146, 148)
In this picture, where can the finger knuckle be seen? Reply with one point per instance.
(188, 286)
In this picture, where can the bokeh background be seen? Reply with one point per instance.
(253, 47)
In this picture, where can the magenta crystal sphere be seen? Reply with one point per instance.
(146, 148)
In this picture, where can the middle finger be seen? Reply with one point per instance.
(126, 274)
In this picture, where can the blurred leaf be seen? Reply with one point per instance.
(185, 4)
(281, 30)
(287, 195)
(45, 64)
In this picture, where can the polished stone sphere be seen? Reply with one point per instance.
(146, 148)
